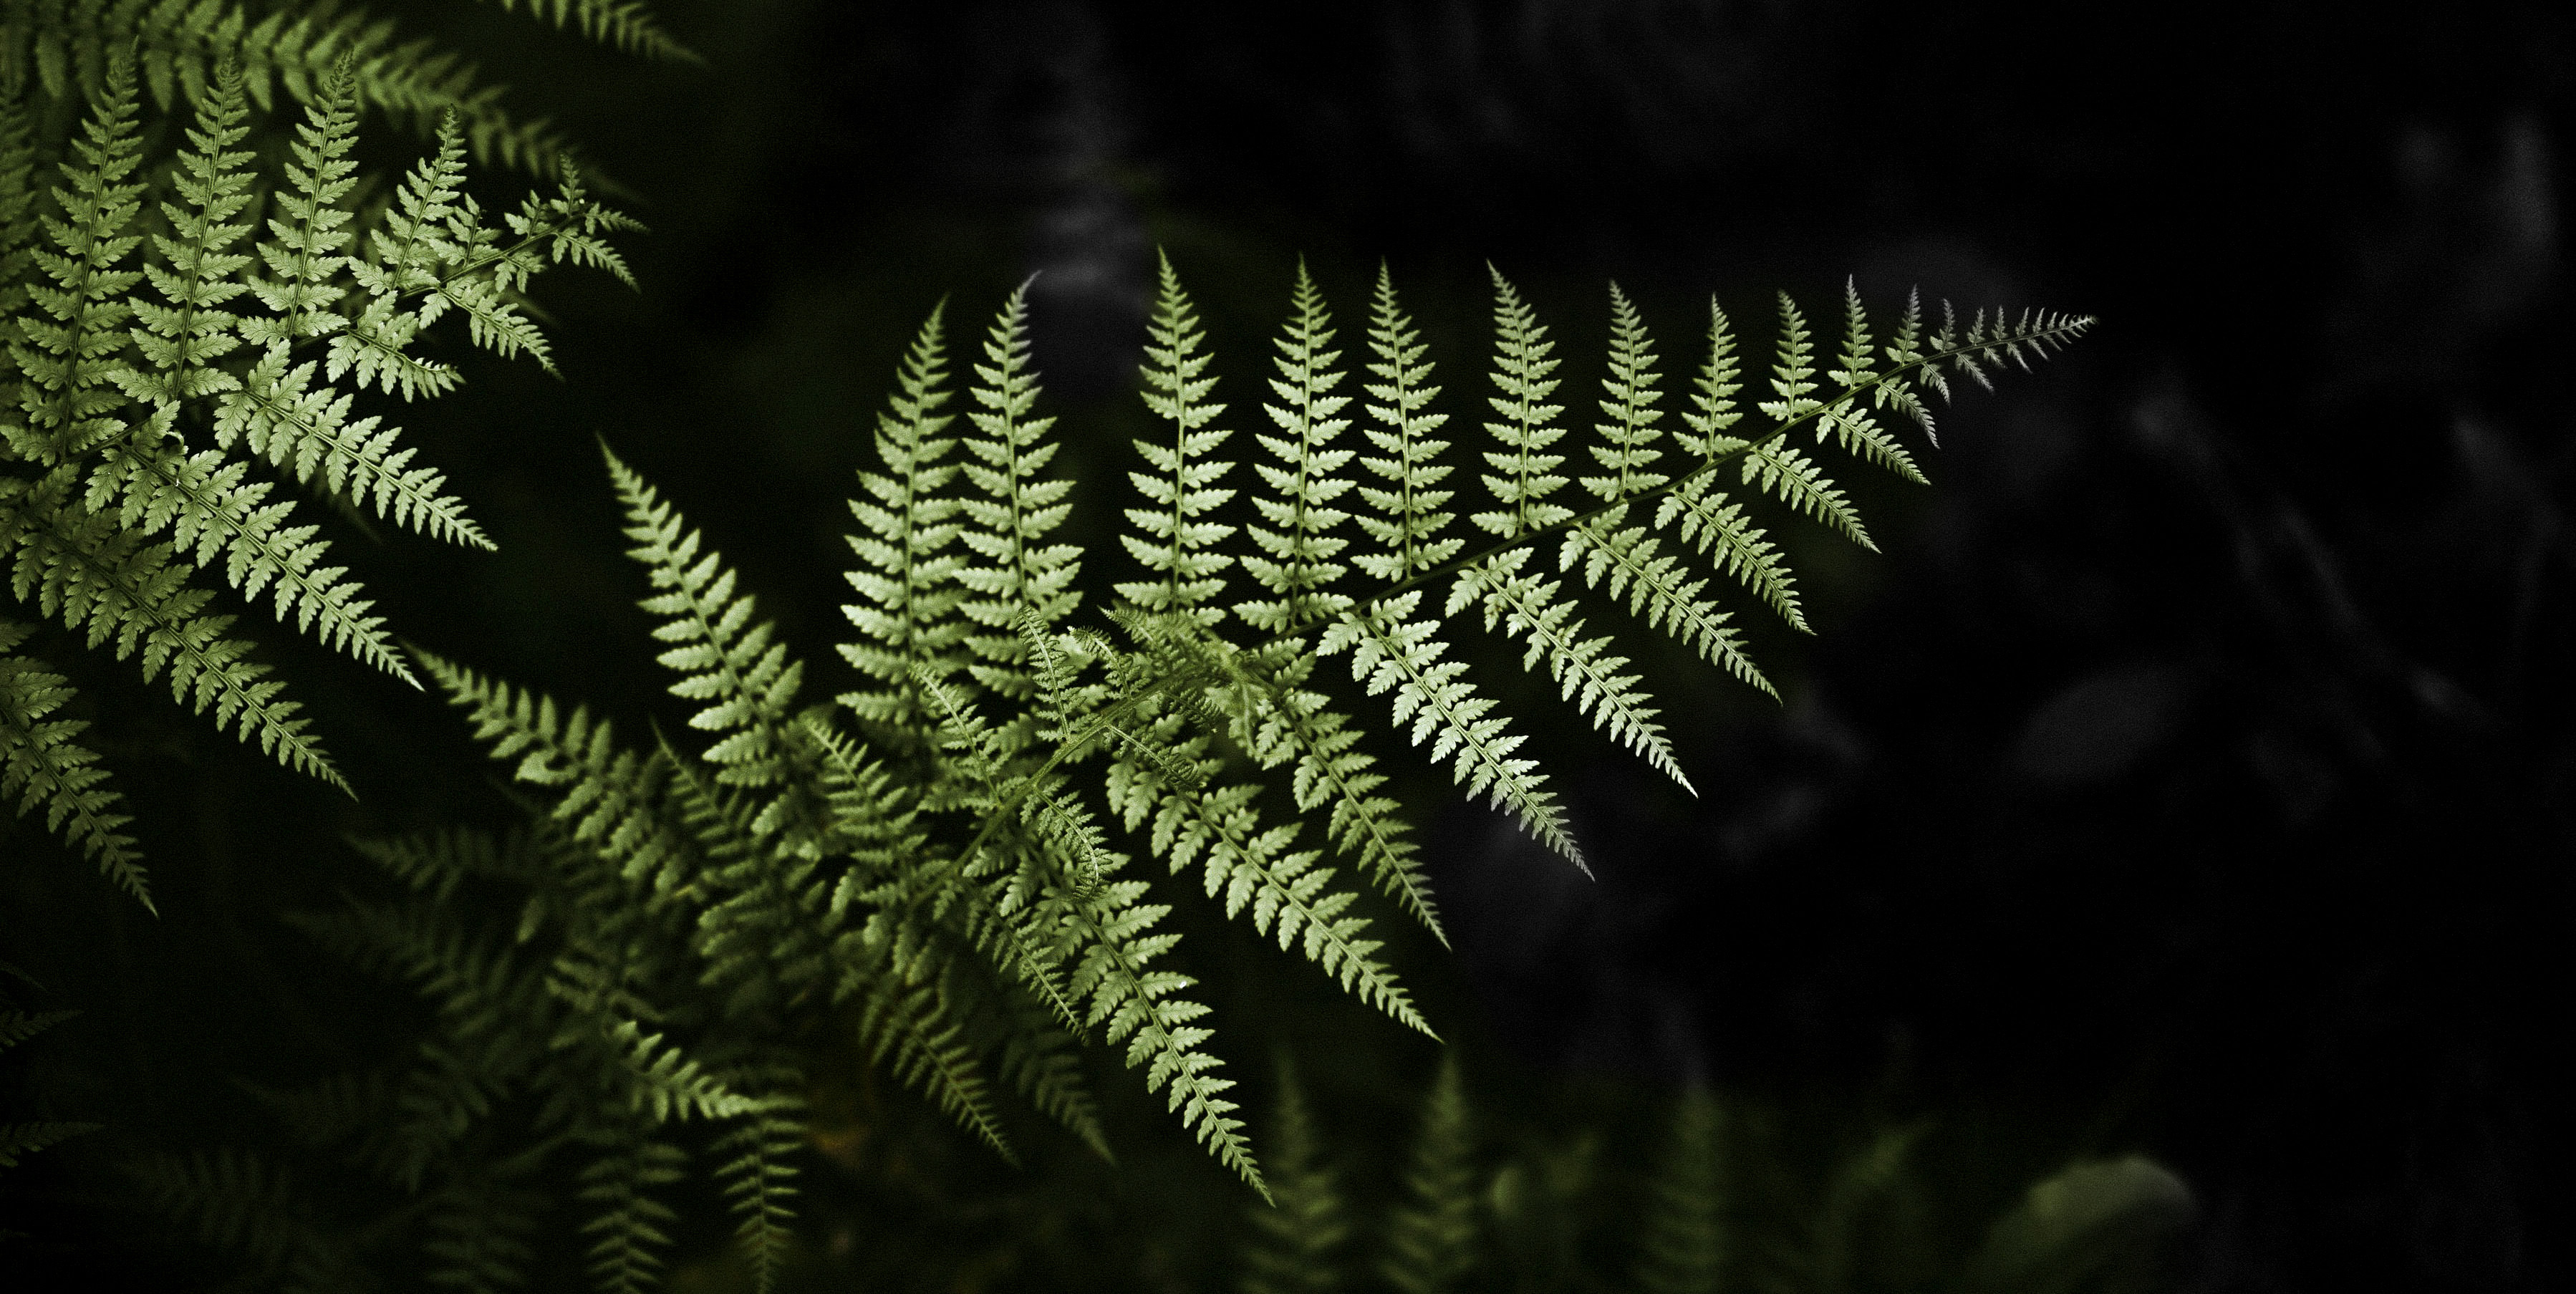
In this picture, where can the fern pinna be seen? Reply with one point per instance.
(187, 341)
(945, 865)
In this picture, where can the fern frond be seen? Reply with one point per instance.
(908, 1027)
(1019, 574)
(611, 798)
(478, 1227)
(200, 272)
(84, 569)
(304, 429)
(40, 763)
(1040, 1060)
(628, 1222)
(1858, 430)
(627, 25)
(1523, 359)
(19, 209)
(668, 1085)
(1293, 724)
(1170, 540)
(1527, 605)
(205, 504)
(1391, 652)
(747, 678)
(406, 256)
(66, 348)
(1296, 561)
(1775, 468)
(1682, 1248)
(1409, 520)
(1252, 864)
(304, 257)
(1141, 1009)
(760, 1180)
(1297, 1234)
(1431, 1237)
(907, 615)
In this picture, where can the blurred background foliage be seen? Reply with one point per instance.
(2192, 777)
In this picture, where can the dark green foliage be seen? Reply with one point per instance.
(186, 344)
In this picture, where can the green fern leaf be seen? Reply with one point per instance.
(1523, 358)
(478, 1227)
(1170, 540)
(1297, 1234)
(1391, 652)
(205, 504)
(1527, 605)
(67, 347)
(747, 679)
(1292, 724)
(907, 615)
(1431, 1237)
(611, 798)
(1140, 1008)
(200, 272)
(406, 255)
(40, 763)
(628, 1222)
(1408, 518)
(305, 429)
(1296, 558)
(304, 258)
(1253, 865)
(1019, 575)
(87, 571)
(234, 1201)
(1858, 430)
(760, 1179)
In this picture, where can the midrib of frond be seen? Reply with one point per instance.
(2063, 330)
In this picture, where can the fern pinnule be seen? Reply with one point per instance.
(41, 764)
(628, 1221)
(66, 347)
(1297, 1235)
(1721, 529)
(907, 614)
(1296, 560)
(1171, 540)
(304, 257)
(1010, 513)
(1408, 517)
(1431, 1237)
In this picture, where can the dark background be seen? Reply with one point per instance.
(2194, 770)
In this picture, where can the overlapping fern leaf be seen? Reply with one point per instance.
(178, 367)
(938, 870)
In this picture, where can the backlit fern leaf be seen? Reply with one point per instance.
(1407, 518)
(1171, 540)
(760, 1180)
(1011, 512)
(628, 1223)
(907, 615)
(1297, 560)
(66, 347)
(627, 24)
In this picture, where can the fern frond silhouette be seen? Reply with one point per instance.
(173, 355)
(939, 868)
